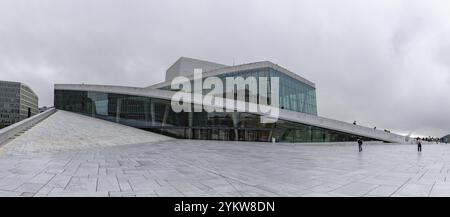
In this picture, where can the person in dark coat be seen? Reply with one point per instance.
(360, 142)
(419, 145)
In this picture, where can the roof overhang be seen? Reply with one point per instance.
(243, 67)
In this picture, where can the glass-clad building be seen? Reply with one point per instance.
(150, 108)
(17, 102)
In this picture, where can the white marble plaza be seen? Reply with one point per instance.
(73, 155)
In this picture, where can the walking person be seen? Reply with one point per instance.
(419, 145)
(360, 142)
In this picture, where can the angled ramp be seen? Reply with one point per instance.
(69, 131)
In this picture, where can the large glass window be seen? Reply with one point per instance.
(157, 115)
(294, 94)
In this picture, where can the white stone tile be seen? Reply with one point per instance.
(59, 158)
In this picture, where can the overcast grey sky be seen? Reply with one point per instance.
(382, 63)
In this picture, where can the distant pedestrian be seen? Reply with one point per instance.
(375, 128)
(419, 145)
(360, 142)
(354, 122)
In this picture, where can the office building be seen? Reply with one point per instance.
(17, 102)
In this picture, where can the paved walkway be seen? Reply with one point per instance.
(43, 162)
(69, 131)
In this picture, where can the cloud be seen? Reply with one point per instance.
(383, 63)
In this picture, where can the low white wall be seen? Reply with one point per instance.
(10, 131)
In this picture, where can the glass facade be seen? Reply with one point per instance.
(156, 115)
(17, 102)
(294, 95)
(28, 102)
